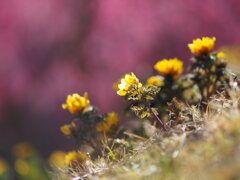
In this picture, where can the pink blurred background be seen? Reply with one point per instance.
(51, 48)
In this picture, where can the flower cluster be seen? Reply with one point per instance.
(139, 96)
(150, 100)
(207, 77)
(163, 96)
(87, 125)
(128, 83)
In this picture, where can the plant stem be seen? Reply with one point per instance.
(156, 117)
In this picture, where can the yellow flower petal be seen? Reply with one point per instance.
(68, 129)
(121, 92)
(75, 158)
(110, 121)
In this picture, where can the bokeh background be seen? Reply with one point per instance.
(51, 48)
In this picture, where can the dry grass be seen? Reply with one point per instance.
(202, 145)
(205, 147)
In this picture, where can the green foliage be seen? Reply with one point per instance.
(140, 105)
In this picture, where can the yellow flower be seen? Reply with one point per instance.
(221, 55)
(68, 129)
(115, 85)
(23, 150)
(202, 46)
(128, 82)
(77, 104)
(3, 166)
(155, 81)
(172, 67)
(110, 121)
(74, 158)
(57, 159)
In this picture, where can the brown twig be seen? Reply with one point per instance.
(156, 117)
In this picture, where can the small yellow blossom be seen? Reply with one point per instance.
(57, 159)
(155, 81)
(128, 82)
(68, 129)
(3, 166)
(221, 55)
(74, 158)
(23, 150)
(77, 104)
(110, 121)
(22, 167)
(202, 46)
(172, 67)
(115, 85)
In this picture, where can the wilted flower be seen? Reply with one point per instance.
(68, 129)
(155, 81)
(74, 158)
(129, 82)
(173, 67)
(110, 121)
(77, 104)
(202, 46)
(57, 158)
